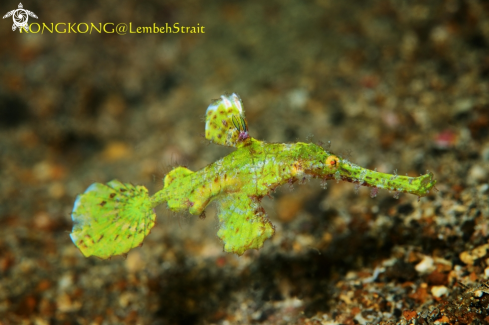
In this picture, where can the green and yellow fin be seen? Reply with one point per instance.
(225, 123)
(111, 219)
(243, 224)
(176, 173)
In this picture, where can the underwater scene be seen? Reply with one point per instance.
(244, 162)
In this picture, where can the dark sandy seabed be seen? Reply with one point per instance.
(393, 85)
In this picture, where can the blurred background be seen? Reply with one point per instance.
(401, 86)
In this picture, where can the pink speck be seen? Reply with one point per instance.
(243, 135)
(370, 81)
(445, 139)
(390, 119)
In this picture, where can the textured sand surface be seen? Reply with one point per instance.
(394, 85)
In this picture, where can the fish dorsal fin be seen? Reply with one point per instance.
(225, 123)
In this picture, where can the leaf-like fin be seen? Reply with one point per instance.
(177, 173)
(243, 223)
(111, 219)
(225, 120)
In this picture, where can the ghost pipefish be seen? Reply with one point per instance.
(110, 219)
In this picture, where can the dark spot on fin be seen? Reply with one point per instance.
(93, 242)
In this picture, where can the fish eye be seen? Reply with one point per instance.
(332, 161)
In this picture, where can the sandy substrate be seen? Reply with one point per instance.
(393, 85)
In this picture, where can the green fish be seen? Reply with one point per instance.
(113, 218)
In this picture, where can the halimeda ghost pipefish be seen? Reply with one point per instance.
(110, 219)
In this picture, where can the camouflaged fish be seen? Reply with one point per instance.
(110, 219)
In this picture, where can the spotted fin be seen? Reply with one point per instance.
(243, 224)
(177, 173)
(225, 123)
(111, 219)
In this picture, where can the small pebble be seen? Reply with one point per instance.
(66, 305)
(469, 257)
(463, 105)
(298, 98)
(478, 293)
(425, 266)
(439, 291)
(443, 320)
(116, 150)
(43, 221)
(477, 174)
(126, 298)
(483, 188)
(65, 282)
(56, 190)
(485, 153)
(134, 262)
